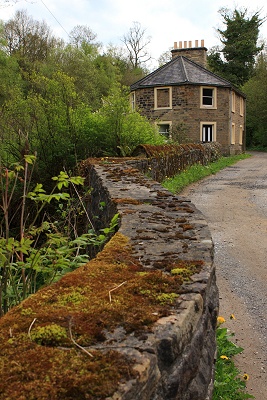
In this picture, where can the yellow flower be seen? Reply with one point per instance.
(232, 316)
(246, 377)
(220, 320)
(224, 357)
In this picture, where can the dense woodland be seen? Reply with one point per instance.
(62, 102)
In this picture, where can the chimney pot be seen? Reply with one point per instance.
(196, 43)
(185, 44)
(202, 43)
(190, 43)
(180, 45)
(175, 45)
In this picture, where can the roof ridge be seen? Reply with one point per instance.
(206, 70)
(184, 69)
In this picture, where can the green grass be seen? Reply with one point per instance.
(198, 171)
(230, 383)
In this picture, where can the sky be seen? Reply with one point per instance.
(164, 21)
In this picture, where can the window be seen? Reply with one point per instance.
(208, 97)
(165, 129)
(233, 134)
(241, 134)
(233, 102)
(133, 101)
(241, 106)
(163, 97)
(208, 132)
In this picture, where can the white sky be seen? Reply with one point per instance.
(165, 21)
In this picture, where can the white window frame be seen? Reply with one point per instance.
(241, 107)
(213, 106)
(233, 133)
(241, 134)
(133, 101)
(156, 98)
(233, 102)
(158, 123)
(214, 130)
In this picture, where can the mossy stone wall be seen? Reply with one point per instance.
(138, 321)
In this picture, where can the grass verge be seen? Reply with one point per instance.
(230, 383)
(198, 172)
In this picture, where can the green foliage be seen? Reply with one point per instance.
(55, 95)
(239, 46)
(115, 130)
(36, 249)
(229, 383)
(256, 91)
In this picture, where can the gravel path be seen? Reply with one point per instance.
(234, 203)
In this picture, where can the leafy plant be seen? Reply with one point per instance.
(229, 383)
(35, 248)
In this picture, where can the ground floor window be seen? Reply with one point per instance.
(233, 134)
(208, 132)
(241, 134)
(165, 129)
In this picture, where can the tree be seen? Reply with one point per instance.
(82, 37)
(28, 40)
(256, 91)
(136, 44)
(239, 46)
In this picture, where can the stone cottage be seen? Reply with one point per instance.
(191, 104)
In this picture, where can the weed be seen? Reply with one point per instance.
(229, 382)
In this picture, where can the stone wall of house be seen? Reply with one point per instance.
(186, 115)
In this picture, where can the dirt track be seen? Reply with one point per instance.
(234, 203)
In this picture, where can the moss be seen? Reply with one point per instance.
(83, 303)
(49, 335)
(126, 201)
(167, 298)
(27, 311)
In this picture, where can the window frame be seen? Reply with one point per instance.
(233, 101)
(156, 89)
(213, 106)
(240, 134)
(214, 130)
(233, 134)
(241, 107)
(132, 101)
(158, 123)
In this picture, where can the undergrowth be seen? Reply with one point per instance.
(230, 383)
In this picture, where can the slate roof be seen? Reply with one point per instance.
(179, 71)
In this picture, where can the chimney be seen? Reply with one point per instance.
(196, 54)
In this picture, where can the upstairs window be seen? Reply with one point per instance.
(163, 98)
(132, 101)
(241, 106)
(233, 102)
(208, 97)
